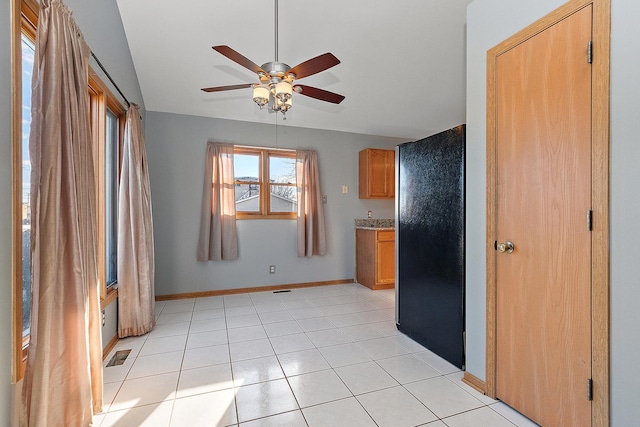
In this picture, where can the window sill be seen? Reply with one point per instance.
(111, 296)
(240, 217)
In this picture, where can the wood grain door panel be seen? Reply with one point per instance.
(386, 262)
(543, 305)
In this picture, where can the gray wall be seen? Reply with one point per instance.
(110, 327)
(625, 206)
(5, 213)
(103, 31)
(488, 23)
(101, 25)
(176, 146)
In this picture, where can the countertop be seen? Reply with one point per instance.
(374, 224)
(376, 228)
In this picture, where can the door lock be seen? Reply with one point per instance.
(506, 247)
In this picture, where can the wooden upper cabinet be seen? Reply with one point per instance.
(376, 174)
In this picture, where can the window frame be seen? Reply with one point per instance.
(264, 183)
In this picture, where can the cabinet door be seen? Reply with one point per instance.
(386, 263)
(376, 174)
(365, 257)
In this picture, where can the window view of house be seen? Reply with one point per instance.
(247, 178)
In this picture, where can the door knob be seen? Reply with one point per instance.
(505, 247)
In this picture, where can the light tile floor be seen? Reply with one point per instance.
(321, 356)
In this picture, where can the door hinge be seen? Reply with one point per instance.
(590, 52)
(590, 389)
(589, 220)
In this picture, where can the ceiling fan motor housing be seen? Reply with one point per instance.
(275, 72)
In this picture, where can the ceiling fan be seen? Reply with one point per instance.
(276, 78)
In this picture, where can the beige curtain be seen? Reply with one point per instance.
(63, 378)
(218, 235)
(135, 235)
(311, 230)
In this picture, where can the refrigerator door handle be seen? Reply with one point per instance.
(397, 226)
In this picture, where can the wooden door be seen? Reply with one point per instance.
(543, 195)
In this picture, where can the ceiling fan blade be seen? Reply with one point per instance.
(321, 94)
(238, 58)
(314, 65)
(230, 87)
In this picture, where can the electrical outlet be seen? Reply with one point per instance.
(324, 199)
(369, 214)
(272, 269)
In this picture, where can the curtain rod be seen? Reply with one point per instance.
(264, 148)
(110, 79)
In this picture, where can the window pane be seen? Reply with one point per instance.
(246, 169)
(111, 196)
(284, 198)
(28, 50)
(282, 170)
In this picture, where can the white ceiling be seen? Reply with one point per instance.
(402, 67)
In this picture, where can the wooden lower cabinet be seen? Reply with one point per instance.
(375, 258)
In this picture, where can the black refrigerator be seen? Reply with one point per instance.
(430, 221)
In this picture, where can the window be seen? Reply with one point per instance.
(112, 145)
(27, 68)
(259, 172)
(28, 49)
(107, 128)
(24, 28)
(107, 121)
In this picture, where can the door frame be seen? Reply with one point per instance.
(600, 197)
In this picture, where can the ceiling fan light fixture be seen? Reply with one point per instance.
(283, 91)
(282, 107)
(260, 95)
